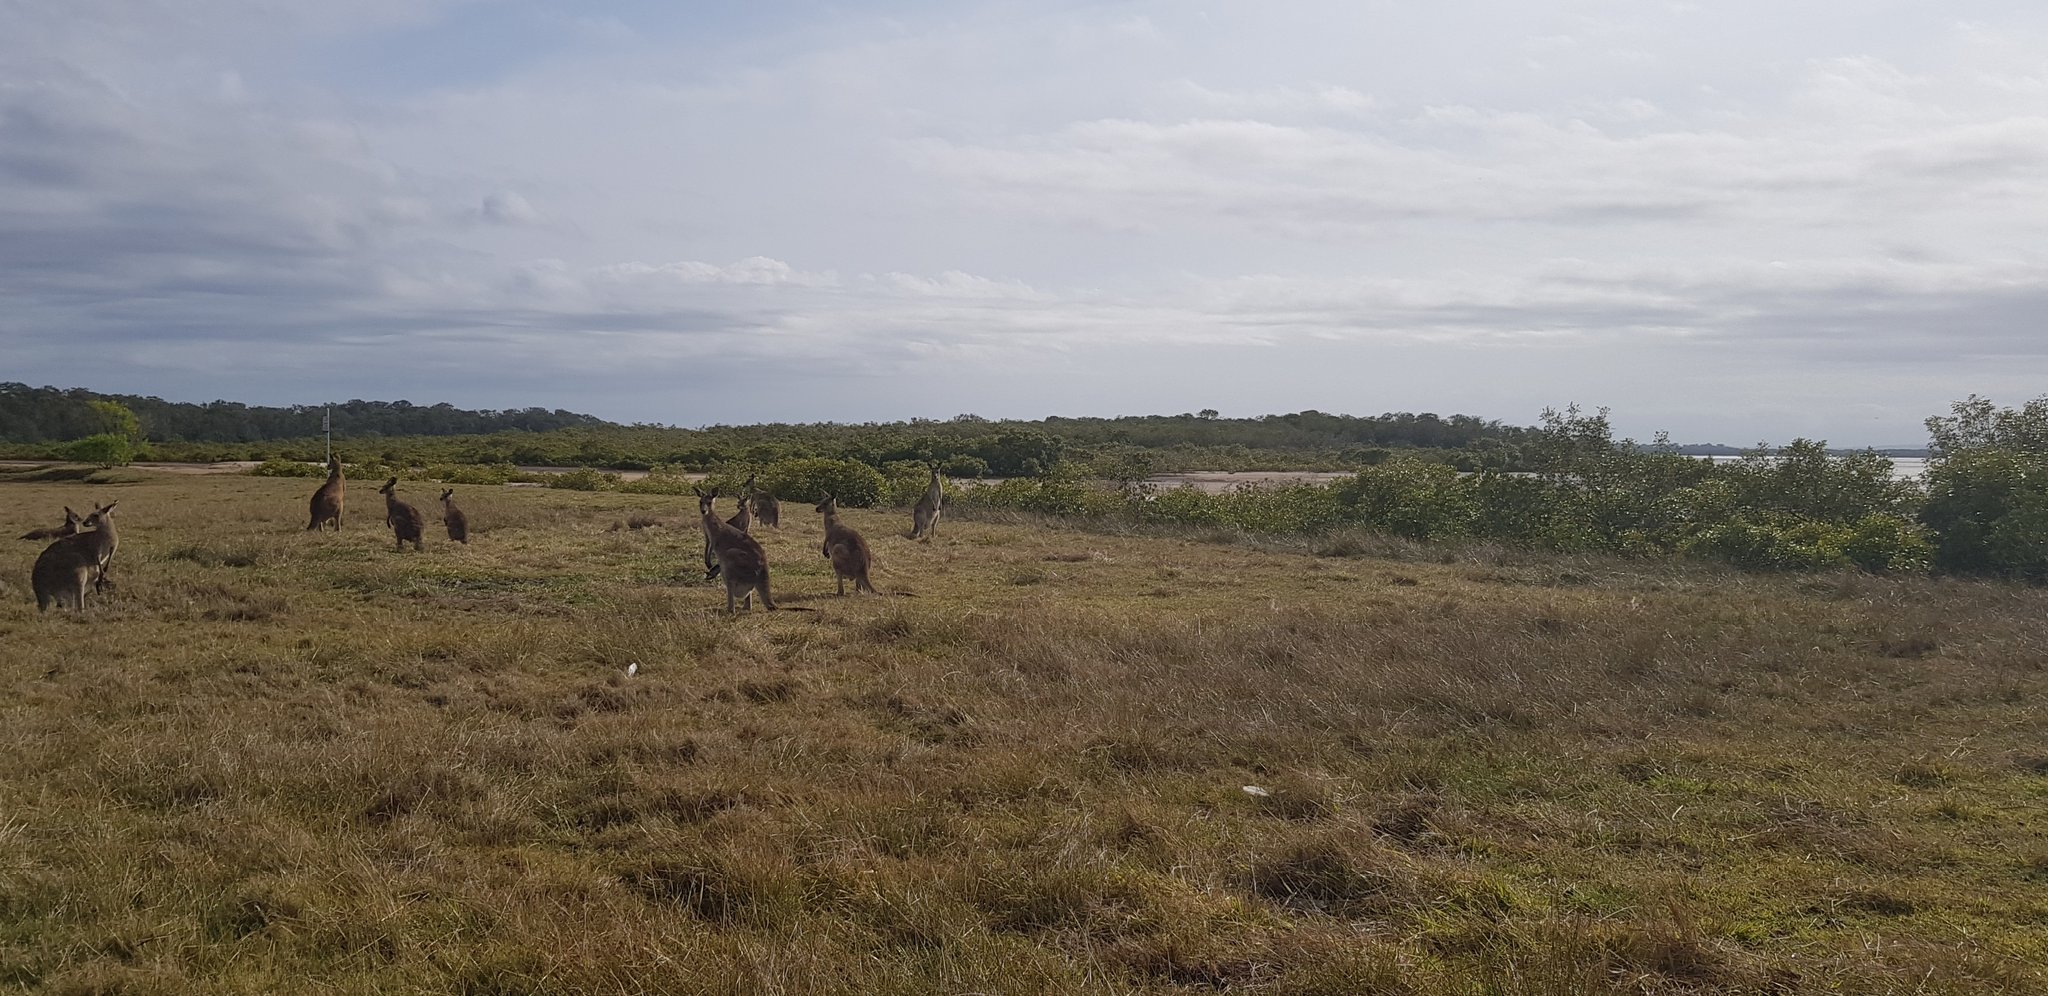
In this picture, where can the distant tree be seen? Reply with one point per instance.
(116, 419)
(1208, 413)
(1977, 424)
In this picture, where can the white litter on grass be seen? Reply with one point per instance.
(632, 669)
(1254, 790)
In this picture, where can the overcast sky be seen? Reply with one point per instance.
(1735, 220)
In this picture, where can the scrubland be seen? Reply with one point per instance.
(1043, 760)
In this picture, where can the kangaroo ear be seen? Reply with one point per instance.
(69, 514)
(108, 507)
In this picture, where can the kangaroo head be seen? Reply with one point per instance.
(71, 521)
(334, 465)
(830, 505)
(748, 488)
(704, 500)
(450, 493)
(390, 488)
(100, 515)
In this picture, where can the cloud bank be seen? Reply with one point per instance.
(1736, 223)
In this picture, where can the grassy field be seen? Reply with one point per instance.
(276, 761)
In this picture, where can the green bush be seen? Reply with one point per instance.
(1803, 480)
(287, 468)
(1877, 542)
(584, 479)
(2016, 543)
(1047, 496)
(904, 483)
(1889, 543)
(1982, 505)
(1410, 498)
(855, 484)
(1188, 506)
(1296, 508)
(478, 473)
(1766, 546)
(105, 450)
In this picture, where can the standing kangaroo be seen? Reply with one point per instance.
(62, 571)
(740, 558)
(327, 500)
(925, 517)
(741, 520)
(69, 527)
(767, 511)
(452, 517)
(845, 549)
(405, 521)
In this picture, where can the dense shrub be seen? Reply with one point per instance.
(1876, 543)
(1889, 543)
(855, 484)
(584, 479)
(287, 468)
(1988, 509)
(480, 473)
(105, 449)
(1410, 498)
(1047, 496)
(904, 483)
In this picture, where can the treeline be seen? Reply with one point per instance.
(50, 414)
(35, 422)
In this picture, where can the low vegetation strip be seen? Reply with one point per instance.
(1566, 485)
(1041, 760)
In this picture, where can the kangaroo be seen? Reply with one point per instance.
(767, 510)
(327, 500)
(845, 549)
(741, 520)
(69, 527)
(62, 571)
(452, 517)
(405, 521)
(740, 558)
(925, 517)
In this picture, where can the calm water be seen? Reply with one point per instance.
(1219, 481)
(1902, 467)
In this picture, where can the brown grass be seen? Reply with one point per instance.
(277, 762)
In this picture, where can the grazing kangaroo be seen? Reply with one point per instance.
(405, 521)
(452, 517)
(740, 558)
(845, 549)
(327, 500)
(69, 527)
(741, 520)
(925, 517)
(61, 572)
(767, 511)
